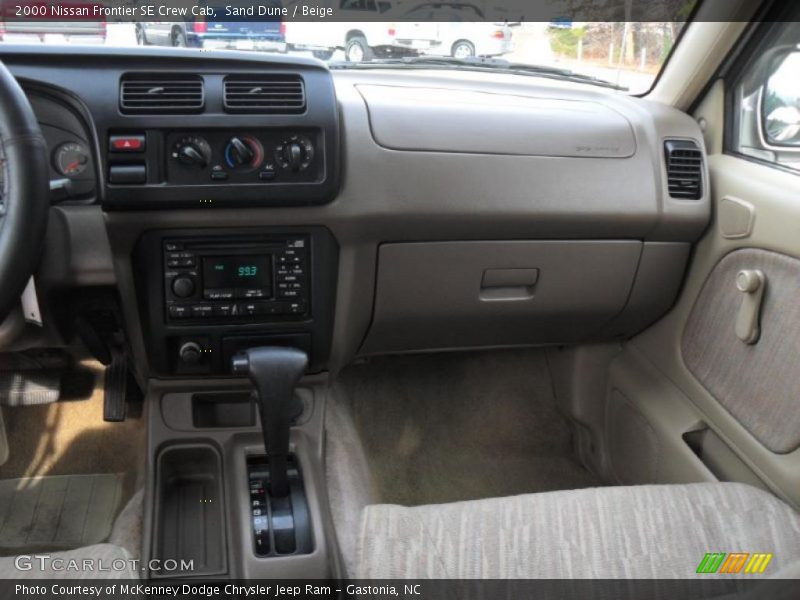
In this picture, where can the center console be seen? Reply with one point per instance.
(211, 491)
(182, 145)
(205, 295)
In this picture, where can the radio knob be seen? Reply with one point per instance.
(190, 353)
(183, 286)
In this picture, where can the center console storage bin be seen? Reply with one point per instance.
(439, 295)
(223, 409)
(189, 510)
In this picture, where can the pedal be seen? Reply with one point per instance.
(29, 388)
(115, 387)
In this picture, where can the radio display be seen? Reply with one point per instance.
(238, 272)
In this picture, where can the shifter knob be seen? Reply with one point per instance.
(274, 372)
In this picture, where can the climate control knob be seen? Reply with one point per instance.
(190, 353)
(296, 153)
(192, 151)
(183, 286)
(244, 152)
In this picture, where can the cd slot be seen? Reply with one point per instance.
(254, 245)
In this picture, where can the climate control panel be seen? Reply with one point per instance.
(242, 157)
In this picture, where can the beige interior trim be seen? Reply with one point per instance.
(774, 194)
(717, 27)
(710, 115)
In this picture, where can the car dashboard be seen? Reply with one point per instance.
(234, 200)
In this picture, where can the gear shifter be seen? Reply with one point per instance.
(274, 372)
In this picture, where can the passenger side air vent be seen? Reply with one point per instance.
(684, 169)
(265, 94)
(169, 94)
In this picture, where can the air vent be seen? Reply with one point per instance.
(174, 94)
(265, 94)
(684, 169)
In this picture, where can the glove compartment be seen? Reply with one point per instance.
(440, 295)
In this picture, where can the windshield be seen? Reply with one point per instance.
(615, 55)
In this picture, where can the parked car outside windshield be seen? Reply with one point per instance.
(626, 56)
(225, 29)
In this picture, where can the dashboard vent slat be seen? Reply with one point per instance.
(265, 94)
(170, 94)
(684, 169)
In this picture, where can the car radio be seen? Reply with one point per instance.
(228, 279)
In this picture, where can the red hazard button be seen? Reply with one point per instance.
(126, 143)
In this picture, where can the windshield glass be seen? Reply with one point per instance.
(616, 55)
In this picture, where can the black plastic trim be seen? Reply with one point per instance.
(162, 338)
(93, 76)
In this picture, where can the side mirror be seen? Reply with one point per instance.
(780, 103)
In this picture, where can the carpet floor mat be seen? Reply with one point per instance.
(57, 512)
(447, 427)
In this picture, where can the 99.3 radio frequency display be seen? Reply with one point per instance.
(237, 272)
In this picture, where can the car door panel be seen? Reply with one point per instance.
(758, 382)
(743, 394)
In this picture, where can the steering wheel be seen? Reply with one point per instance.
(24, 191)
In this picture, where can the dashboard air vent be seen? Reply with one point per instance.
(265, 94)
(684, 169)
(169, 94)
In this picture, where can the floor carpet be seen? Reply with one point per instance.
(60, 512)
(447, 427)
(70, 437)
